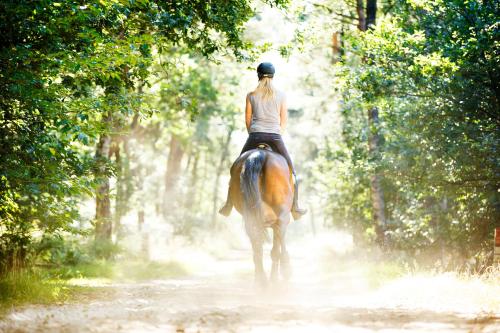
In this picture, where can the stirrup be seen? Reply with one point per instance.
(297, 212)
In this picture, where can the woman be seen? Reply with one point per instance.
(266, 115)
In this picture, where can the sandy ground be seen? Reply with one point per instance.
(223, 299)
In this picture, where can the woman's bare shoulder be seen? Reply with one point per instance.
(250, 96)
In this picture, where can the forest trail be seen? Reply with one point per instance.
(222, 299)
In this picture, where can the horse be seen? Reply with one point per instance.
(261, 190)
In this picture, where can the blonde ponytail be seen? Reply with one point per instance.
(266, 89)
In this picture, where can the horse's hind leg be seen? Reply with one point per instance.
(275, 252)
(257, 248)
(285, 268)
(260, 275)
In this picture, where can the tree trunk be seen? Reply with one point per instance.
(124, 154)
(103, 223)
(143, 233)
(361, 15)
(120, 199)
(341, 42)
(172, 173)
(336, 50)
(190, 154)
(377, 195)
(191, 197)
(371, 13)
(365, 22)
(220, 169)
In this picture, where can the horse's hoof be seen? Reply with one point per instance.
(298, 213)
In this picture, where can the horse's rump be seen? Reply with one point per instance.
(262, 185)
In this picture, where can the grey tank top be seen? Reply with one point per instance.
(266, 114)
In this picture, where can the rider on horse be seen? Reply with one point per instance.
(265, 117)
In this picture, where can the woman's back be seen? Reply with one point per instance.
(266, 112)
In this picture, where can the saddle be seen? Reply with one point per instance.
(264, 146)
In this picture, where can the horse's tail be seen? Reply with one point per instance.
(252, 198)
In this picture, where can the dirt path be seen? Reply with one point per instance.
(222, 299)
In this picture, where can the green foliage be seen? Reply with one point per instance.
(187, 92)
(96, 269)
(117, 270)
(27, 287)
(62, 258)
(432, 71)
(56, 250)
(103, 249)
(59, 250)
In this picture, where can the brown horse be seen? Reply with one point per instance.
(261, 190)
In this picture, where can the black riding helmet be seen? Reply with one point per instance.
(265, 69)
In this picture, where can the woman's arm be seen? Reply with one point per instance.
(283, 115)
(248, 113)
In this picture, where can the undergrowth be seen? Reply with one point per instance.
(17, 288)
(58, 270)
(134, 270)
(57, 284)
